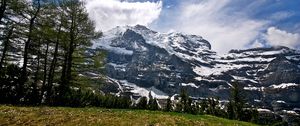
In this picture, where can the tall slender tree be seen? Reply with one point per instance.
(237, 101)
(80, 30)
(169, 106)
(35, 9)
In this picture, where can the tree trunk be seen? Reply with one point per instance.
(45, 65)
(67, 67)
(71, 50)
(63, 74)
(25, 58)
(52, 66)
(35, 96)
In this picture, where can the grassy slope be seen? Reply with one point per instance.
(111, 117)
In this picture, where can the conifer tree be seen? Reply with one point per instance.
(152, 104)
(81, 31)
(204, 106)
(34, 9)
(237, 101)
(169, 107)
(142, 103)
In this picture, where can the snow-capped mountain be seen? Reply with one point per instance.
(141, 61)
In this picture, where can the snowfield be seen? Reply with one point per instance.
(284, 85)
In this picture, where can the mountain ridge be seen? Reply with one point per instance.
(141, 61)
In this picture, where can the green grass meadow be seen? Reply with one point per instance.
(40, 116)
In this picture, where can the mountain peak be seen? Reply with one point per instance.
(140, 27)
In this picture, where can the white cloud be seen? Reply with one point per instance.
(108, 14)
(281, 15)
(223, 29)
(257, 44)
(275, 37)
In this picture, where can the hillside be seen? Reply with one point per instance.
(97, 116)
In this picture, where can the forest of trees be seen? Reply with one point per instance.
(43, 46)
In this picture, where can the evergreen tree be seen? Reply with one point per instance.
(204, 106)
(169, 106)
(230, 111)
(81, 31)
(9, 76)
(183, 99)
(237, 102)
(34, 11)
(142, 103)
(152, 104)
(184, 104)
(195, 108)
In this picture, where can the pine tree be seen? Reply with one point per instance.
(237, 101)
(195, 108)
(35, 10)
(184, 104)
(169, 107)
(230, 111)
(142, 103)
(184, 99)
(80, 32)
(152, 104)
(204, 106)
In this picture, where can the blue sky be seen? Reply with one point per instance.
(227, 24)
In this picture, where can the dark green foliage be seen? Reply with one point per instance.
(142, 103)
(9, 80)
(169, 106)
(195, 108)
(212, 106)
(184, 104)
(236, 102)
(87, 98)
(269, 119)
(152, 104)
(230, 111)
(203, 106)
(249, 115)
(237, 109)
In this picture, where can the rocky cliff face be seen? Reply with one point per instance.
(141, 60)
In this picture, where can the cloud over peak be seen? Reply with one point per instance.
(224, 29)
(226, 24)
(275, 36)
(108, 14)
